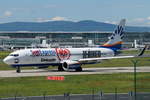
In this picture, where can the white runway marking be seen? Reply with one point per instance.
(44, 72)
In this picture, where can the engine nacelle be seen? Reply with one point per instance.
(71, 65)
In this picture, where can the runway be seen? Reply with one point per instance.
(44, 72)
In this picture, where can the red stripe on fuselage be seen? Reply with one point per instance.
(111, 45)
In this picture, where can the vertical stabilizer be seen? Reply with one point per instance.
(115, 40)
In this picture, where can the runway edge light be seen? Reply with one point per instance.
(56, 78)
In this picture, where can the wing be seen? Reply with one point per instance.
(115, 57)
(104, 58)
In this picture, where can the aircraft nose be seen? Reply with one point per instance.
(7, 60)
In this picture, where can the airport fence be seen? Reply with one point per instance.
(90, 94)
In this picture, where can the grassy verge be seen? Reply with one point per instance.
(3, 54)
(33, 86)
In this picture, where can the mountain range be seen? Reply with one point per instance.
(51, 26)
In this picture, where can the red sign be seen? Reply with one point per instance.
(63, 54)
(57, 78)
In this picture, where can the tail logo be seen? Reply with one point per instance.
(118, 31)
(115, 40)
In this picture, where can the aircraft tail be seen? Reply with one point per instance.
(115, 40)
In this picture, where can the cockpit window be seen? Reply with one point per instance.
(15, 55)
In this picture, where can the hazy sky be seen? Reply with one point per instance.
(137, 12)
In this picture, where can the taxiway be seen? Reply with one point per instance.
(46, 72)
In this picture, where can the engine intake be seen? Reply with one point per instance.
(71, 65)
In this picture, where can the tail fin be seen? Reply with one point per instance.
(115, 40)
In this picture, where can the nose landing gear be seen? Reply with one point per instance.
(18, 70)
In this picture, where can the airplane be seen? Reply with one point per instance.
(69, 58)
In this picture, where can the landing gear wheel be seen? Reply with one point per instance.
(79, 69)
(60, 68)
(18, 70)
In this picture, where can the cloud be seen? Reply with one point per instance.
(42, 20)
(111, 22)
(148, 18)
(58, 18)
(139, 19)
(7, 14)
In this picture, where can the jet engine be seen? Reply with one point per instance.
(70, 65)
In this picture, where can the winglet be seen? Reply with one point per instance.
(142, 51)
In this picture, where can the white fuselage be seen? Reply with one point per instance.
(53, 56)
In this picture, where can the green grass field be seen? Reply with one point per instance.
(78, 84)
(3, 54)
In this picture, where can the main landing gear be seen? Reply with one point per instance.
(18, 70)
(60, 68)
